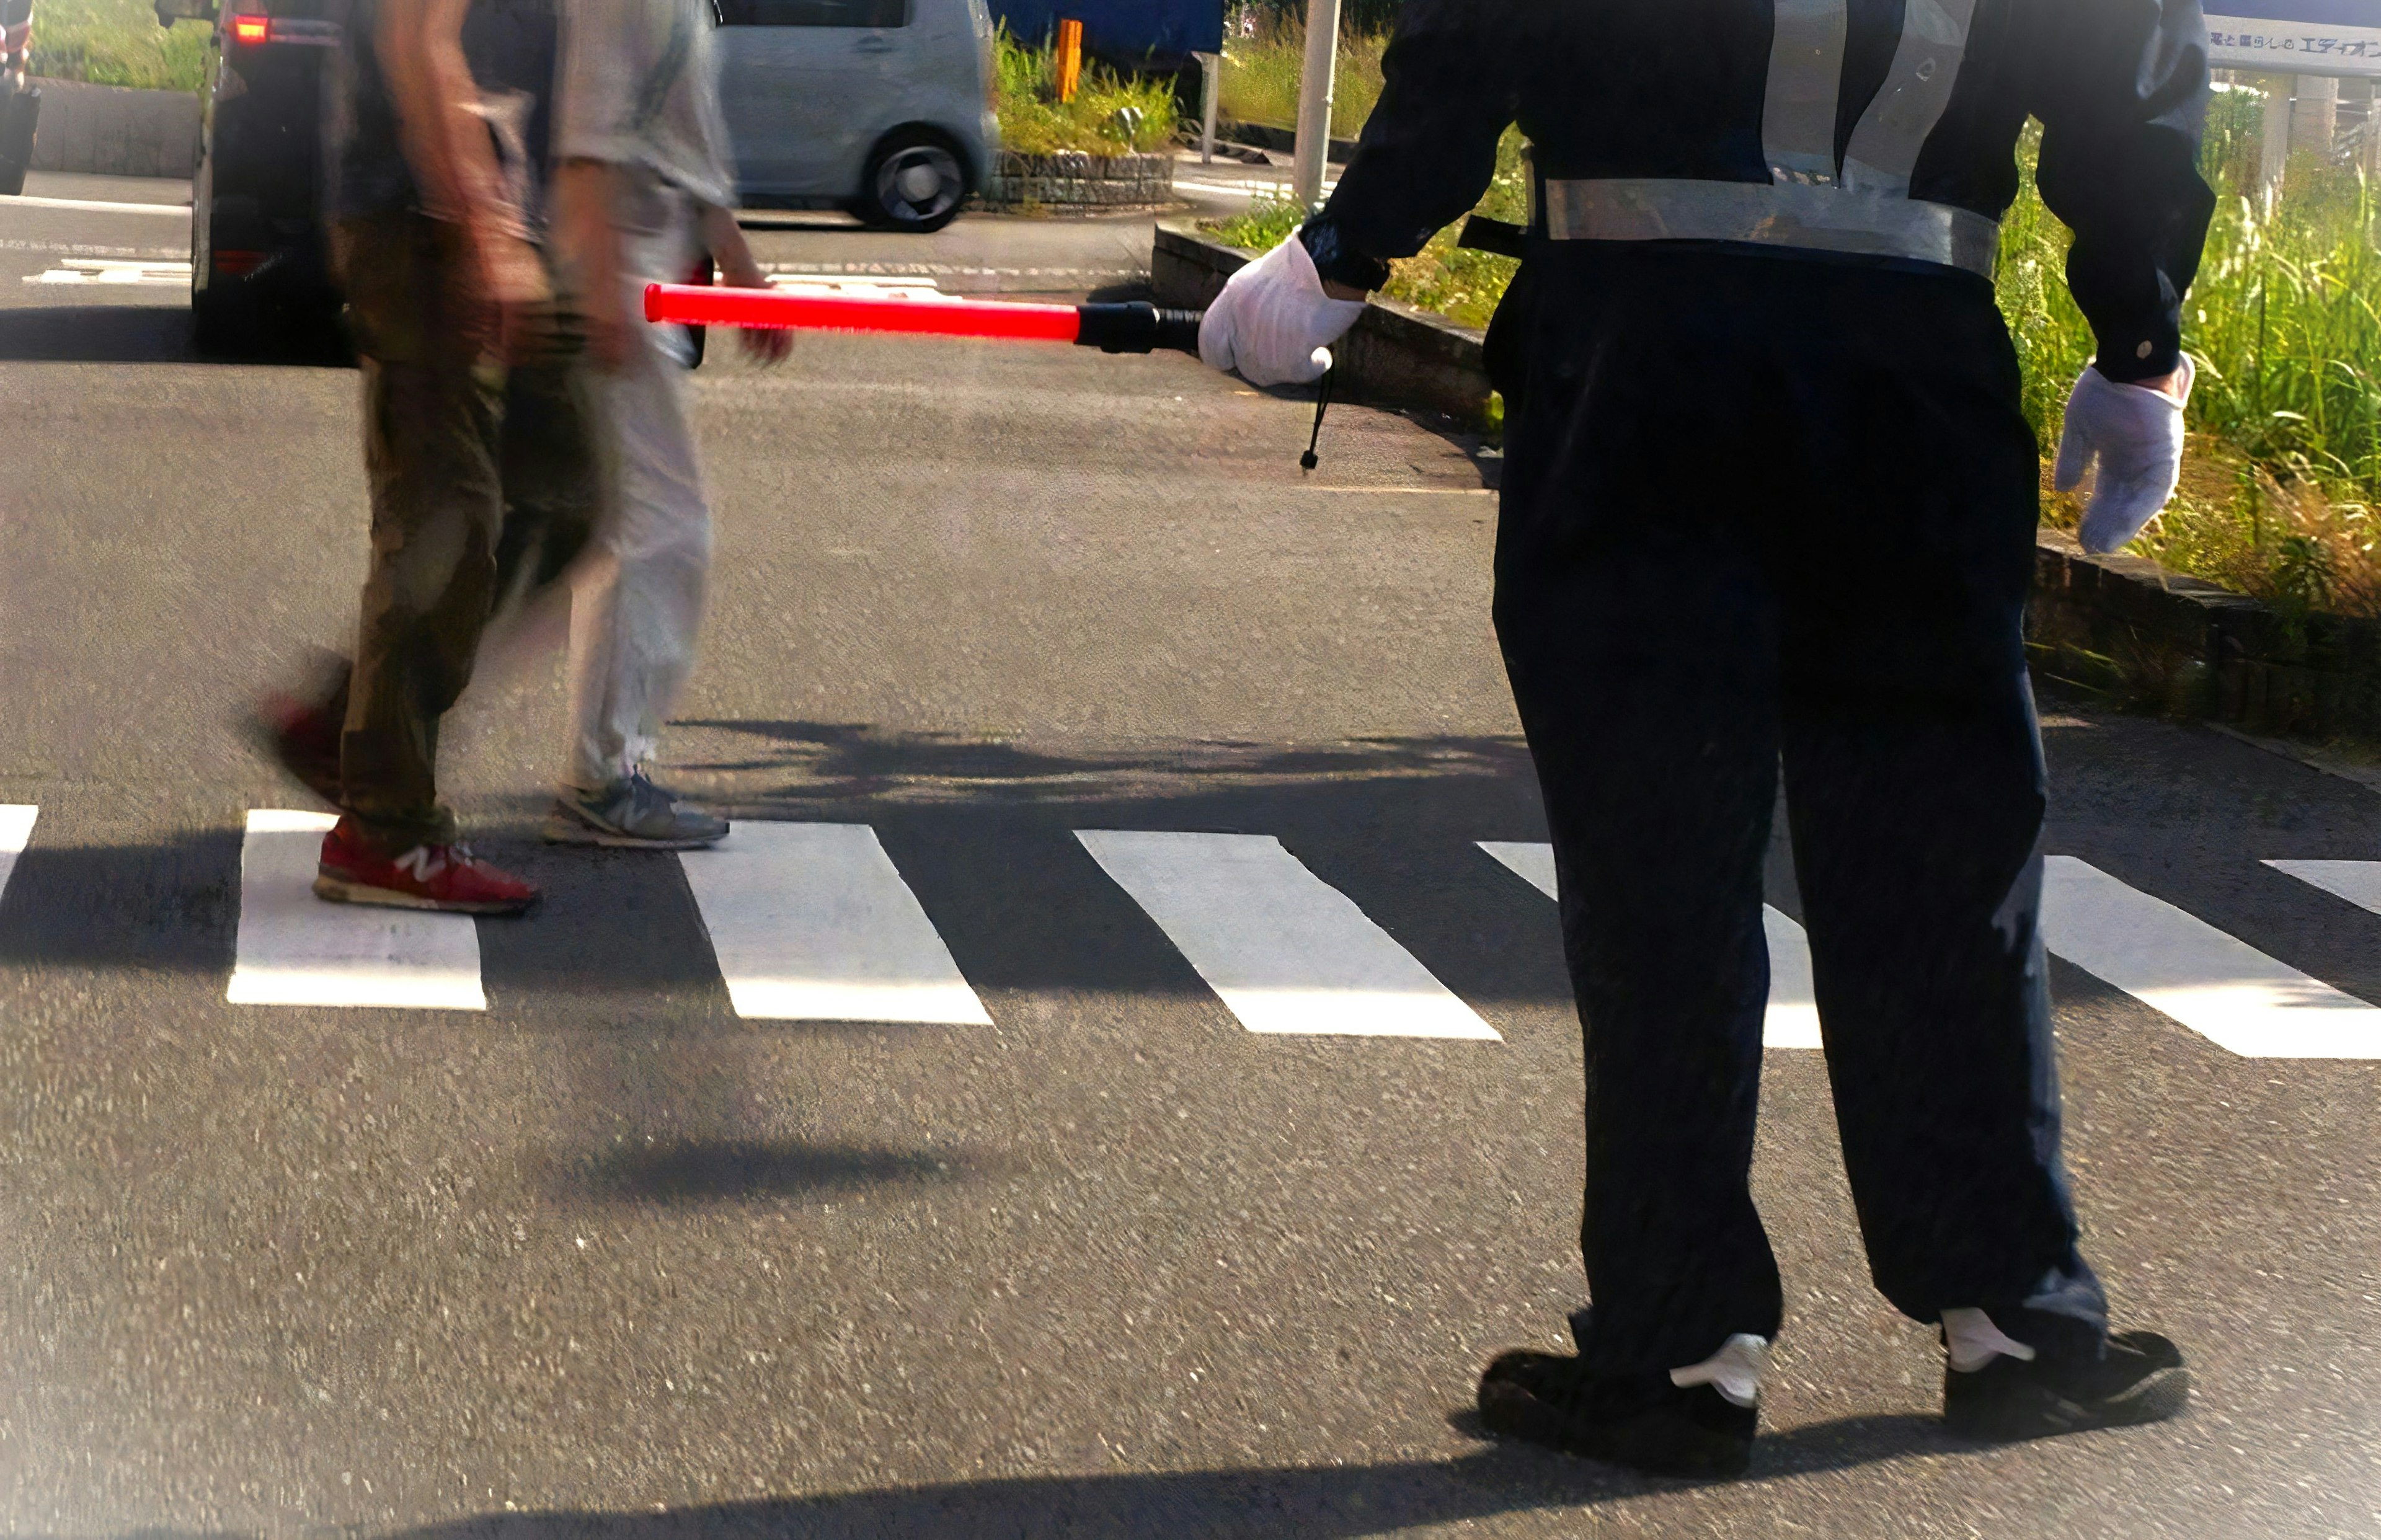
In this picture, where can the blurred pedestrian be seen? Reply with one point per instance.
(644, 195)
(478, 448)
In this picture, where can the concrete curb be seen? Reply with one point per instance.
(1395, 354)
(116, 131)
(2128, 624)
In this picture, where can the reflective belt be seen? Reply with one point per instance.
(1800, 217)
(1813, 202)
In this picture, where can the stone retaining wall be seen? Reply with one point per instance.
(2126, 623)
(116, 131)
(1073, 179)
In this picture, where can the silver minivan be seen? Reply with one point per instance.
(883, 107)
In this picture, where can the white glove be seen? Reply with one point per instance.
(1273, 319)
(2136, 435)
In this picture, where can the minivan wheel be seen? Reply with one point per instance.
(915, 181)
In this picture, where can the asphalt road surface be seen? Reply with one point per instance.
(1118, 1229)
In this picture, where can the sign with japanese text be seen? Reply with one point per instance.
(2296, 37)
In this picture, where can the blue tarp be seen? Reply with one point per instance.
(1123, 32)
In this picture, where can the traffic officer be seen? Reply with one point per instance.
(1769, 496)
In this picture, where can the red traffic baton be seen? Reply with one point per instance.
(1131, 327)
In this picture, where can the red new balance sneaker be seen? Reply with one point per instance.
(446, 877)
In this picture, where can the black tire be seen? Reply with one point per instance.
(916, 181)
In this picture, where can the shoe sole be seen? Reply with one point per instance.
(340, 890)
(2158, 1398)
(572, 832)
(1667, 1449)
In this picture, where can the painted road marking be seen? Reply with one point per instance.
(295, 949)
(15, 828)
(2358, 882)
(1791, 1020)
(1285, 951)
(113, 270)
(854, 285)
(2218, 985)
(812, 923)
(88, 205)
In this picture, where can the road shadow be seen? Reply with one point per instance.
(1250, 1504)
(731, 1170)
(97, 334)
(146, 334)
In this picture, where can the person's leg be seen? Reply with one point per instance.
(432, 422)
(1916, 794)
(637, 604)
(1638, 636)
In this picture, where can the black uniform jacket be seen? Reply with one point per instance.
(1678, 89)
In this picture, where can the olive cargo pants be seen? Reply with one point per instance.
(486, 482)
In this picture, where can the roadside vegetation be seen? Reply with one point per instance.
(1261, 72)
(117, 43)
(1111, 115)
(2281, 495)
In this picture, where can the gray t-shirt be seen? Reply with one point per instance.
(639, 87)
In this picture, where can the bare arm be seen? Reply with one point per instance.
(419, 45)
(589, 245)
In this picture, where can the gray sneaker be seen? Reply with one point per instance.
(633, 813)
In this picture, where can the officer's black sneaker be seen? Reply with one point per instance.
(1645, 1424)
(2142, 1379)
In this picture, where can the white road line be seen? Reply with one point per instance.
(1286, 951)
(2358, 882)
(295, 949)
(812, 923)
(113, 270)
(2219, 986)
(15, 828)
(180, 211)
(1791, 1020)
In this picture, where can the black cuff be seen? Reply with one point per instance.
(1334, 263)
(2151, 353)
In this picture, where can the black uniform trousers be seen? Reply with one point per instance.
(1764, 509)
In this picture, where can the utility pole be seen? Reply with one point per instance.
(1314, 102)
(2274, 146)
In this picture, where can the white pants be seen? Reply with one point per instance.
(636, 599)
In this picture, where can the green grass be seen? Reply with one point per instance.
(1261, 75)
(117, 43)
(1111, 115)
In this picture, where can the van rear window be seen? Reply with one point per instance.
(814, 13)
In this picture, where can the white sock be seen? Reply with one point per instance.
(1974, 1341)
(1734, 1370)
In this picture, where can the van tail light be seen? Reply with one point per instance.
(250, 29)
(237, 264)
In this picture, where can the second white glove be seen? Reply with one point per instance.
(2135, 434)
(1272, 317)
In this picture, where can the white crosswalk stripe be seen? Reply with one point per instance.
(1285, 952)
(1791, 1020)
(812, 923)
(2358, 882)
(2219, 986)
(114, 270)
(295, 949)
(15, 828)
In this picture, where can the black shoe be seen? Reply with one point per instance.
(2140, 1380)
(1649, 1425)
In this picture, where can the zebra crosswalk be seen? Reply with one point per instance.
(816, 922)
